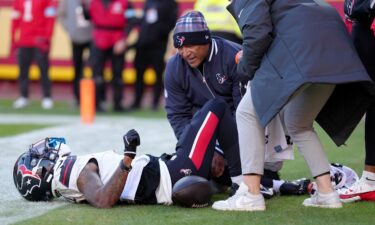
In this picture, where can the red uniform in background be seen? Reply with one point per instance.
(32, 27)
(32, 23)
(109, 24)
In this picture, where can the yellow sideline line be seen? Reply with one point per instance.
(65, 74)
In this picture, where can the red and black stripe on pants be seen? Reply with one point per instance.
(195, 149)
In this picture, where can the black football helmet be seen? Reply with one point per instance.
(33, 170)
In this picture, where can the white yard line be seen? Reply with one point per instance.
(106, 133)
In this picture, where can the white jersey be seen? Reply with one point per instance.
(68, 168)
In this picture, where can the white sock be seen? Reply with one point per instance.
(276, 185)
(237, 179)
(369, 177)
(329, 194)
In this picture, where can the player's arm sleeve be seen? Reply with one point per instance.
(257, 36)
(178, 107)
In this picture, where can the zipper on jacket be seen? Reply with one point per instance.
(205, 83)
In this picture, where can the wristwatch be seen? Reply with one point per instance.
(123, 167)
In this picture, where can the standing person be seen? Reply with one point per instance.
(362, 15)
(204, 68)
(220, 22)
(294, 71)
(109, 42)
(159, 18)
(32, 28)
(71, 15)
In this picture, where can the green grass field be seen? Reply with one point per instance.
(65, 108)
(13, 129)
(280, 209)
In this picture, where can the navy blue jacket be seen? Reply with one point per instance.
(187, 89)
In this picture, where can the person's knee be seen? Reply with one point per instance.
(296, 127)
(239, 112)
(242, 112)
(217, 106)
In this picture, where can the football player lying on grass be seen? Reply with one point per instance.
(49, 170)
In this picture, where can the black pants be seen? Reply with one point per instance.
(195, 149)
(364, 41)
(78, 63)
(154, 57)
(99, 59)
(26, 55)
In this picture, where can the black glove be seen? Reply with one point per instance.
(131, 141)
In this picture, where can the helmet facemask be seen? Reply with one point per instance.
(33, 171)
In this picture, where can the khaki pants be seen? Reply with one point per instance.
(298, 115)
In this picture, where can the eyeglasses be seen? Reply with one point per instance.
(41, 147)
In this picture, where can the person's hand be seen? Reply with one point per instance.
(131, 141)
(238, 56)
(119, 47)
(217, 165)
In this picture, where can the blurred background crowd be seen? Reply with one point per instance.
(121, 44)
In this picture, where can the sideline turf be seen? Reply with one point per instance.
(13, 129)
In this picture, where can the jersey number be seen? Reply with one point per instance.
(27, 14)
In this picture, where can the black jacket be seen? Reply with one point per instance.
(158, 20)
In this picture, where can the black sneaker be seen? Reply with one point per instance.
(233, 188)
(266, 192)
(297, 187)
(217, 188)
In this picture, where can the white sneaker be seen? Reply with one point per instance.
(360, 190)
(20, 103)
(47, 103)
(329, 200)
(241, 201)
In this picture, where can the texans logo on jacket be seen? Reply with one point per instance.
(186, 172)
(221, 78)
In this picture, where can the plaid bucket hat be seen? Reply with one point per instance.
(191, 29)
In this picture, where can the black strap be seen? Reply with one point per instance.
(166, 157)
